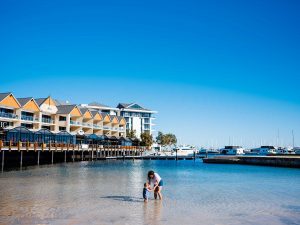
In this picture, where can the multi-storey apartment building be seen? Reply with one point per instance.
(137, 117)
(47, 113)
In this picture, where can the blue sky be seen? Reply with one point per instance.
(213, 69)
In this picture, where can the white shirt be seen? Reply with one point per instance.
(155, 179)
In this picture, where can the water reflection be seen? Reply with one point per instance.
(152, 212)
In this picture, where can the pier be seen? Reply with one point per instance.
(24, 154)
(292, 161)
(28, 154)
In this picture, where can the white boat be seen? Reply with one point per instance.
(208, 151)
(263, 150)
(185, 150)
(297, 150)
(285, 151)
(232, 150)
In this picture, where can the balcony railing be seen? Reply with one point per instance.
(115, 129)
(106, 128)
(87, 125)
(46, 120)
(97, 126)
(8, 115)
(28, 118)
(75, 123)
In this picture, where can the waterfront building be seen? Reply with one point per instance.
(48, 116)
(136, 117)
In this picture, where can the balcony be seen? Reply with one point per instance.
(97, 126)
(106, 128)
(115, 129)
(87, 125)
(27, 118)
(47, 120)
(8, 115)
(75, 123)
(121, 129)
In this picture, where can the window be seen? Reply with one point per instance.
(46, 127)
(28, 126)
(62, 118)
(62, 128)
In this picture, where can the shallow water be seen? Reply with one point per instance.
(110, 192)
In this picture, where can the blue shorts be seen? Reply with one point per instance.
(161, 183)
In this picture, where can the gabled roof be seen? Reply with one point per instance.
(104, 115)
(112, 117)
(134, 106)
(4, 95)
(83, 110)
(44, 131)
(97, 104)
(94, 112)
(120, 118)
(40, 101)
(61, 102)
(23, 101)
(65, 109)
(123, 105)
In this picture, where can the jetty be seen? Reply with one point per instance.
(292, 161)
(22, 154)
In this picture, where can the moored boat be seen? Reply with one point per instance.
(262, 150)
(185, 150)
(232, 150)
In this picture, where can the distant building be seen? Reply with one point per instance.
(137, 118)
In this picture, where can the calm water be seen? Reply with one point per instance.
(109, 192)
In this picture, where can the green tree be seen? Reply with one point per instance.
(147, 139)
(166, 139)
(131, 133)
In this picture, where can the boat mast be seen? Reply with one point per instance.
(293, 138)
(278, 138)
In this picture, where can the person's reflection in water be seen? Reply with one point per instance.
(152, 212)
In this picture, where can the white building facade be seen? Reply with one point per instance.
(137, 118)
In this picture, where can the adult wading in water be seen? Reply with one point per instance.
(155, 180)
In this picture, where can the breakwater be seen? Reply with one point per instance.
(291, 161)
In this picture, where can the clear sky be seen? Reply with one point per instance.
(213, 69)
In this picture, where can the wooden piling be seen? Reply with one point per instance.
(52, 157)
(21, 159)
(2, 163)
(38, 159)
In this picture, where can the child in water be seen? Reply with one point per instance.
(146, 191)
